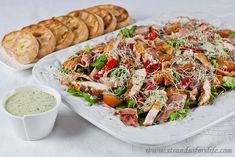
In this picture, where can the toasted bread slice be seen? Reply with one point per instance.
(78, 27)
(8, 41)
(94, 23)
(63, 34)
(45, 37)
(110, 21)
(121, 14)
(24, 47)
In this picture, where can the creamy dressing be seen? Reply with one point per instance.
(30, 101)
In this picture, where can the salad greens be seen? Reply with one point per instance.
(229, 82)
(176, 43)
(214, 63)
(232, 34)
(120, 90)
(131, 103)
(179, 114)
(127, 32)
(100, 62)
(87, 48)
(87, 97)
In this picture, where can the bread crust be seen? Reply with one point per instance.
(78, 27)
(63, 34)
(24, 47)
(110, 21)
(8, 41)
(121, 14)
(94, 23)
(45, 38)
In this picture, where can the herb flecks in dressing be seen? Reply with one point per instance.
(30, 102)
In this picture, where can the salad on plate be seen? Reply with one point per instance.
(153, 74)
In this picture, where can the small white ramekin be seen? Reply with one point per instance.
(33, 126)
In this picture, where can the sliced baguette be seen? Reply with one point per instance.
(94, 23)
(121, 14)
(45, 37)
(78, 27)
(8, 41)
(25, 48)
(63, 34)
(110, 21)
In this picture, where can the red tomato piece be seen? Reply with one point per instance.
(153, 35)
(110, 64)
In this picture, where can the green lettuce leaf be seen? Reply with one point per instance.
(100, 62)
(229, 82)
(87, 97)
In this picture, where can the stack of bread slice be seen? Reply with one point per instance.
(33, 42)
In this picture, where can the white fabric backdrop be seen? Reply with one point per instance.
(72, 135)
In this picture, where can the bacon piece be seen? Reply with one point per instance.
(174, 103)
(195, 86)
(72, 62)
(224, 33)
(129, 116)
(231, 40)
(224, 73)
(85, 60)
(227, 65)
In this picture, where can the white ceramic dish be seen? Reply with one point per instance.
(33, 126)
(104, 118)
(11, 63)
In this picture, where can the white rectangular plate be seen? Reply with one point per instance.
(103, 117)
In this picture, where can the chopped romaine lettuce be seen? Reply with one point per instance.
(189, 102)
(179, 114)
(176, 43)
(120, 90)
(122, 106)
(214, 63)
(232, 35)
(131, 103)
(176, 77)
(63, 70)
(126, 32)
(140, 111)
(87, 97)
(229, 82)
(87, 48)
(80, 70)
(100, 62)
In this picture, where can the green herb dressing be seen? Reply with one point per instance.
(30, 102)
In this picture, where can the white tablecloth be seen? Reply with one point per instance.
(74, 136)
